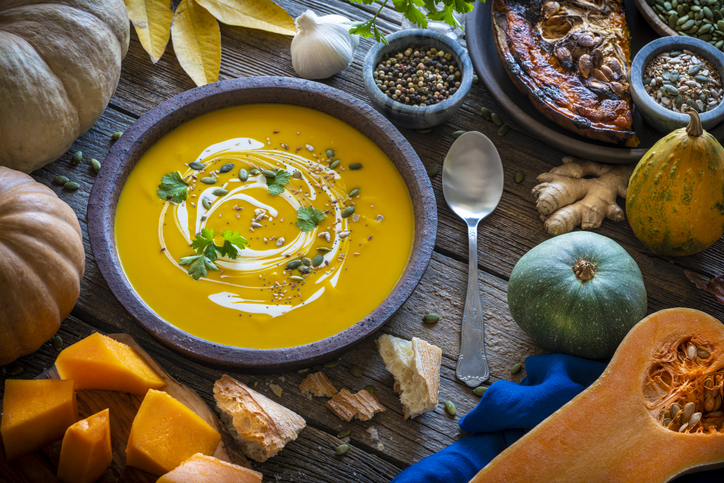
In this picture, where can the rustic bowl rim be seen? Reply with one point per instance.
(254, 90)
(649, 108)
(398, 112)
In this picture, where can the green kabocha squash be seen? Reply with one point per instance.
(578, 294)
(675, 200)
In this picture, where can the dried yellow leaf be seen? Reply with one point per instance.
(254, 14)
(152, 20)
(197, 42)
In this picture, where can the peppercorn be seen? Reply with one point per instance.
(418, 77)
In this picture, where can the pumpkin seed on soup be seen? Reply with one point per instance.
(220, 192)
(297, 278)
(196, 165)
(243, 175)
(317, 260)
(306, 261)
(355, 370)
(293, 264)
(516, 368)
(347, 212)
(330, 154)
(253, 171)
(226, 168)
(353, 193)
(334, 164)
(205, 203)
(324, 249)
(208, 180)
(304, 269)
(355, 166)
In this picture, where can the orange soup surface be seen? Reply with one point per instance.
(317, 260)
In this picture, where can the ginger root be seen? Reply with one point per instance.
(580, 192)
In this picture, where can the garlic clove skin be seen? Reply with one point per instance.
(322, 46)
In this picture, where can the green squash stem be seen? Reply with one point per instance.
(694, 129)
(584, 270)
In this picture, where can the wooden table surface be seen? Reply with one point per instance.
(506, 235)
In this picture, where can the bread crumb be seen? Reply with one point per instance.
(380, 447)
(317, 384)
(361, 405)
(374, 434)
(277, 390)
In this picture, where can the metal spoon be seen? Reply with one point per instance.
(472, 182)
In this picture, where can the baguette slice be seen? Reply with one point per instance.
(260, 425)
(416, 367)
(317, 384)
(363, 405)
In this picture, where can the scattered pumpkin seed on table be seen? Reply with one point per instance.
(341, 450)
(77, 158)
(14, 370)
(344, 433)
(60, 179)
(480, 390)
(516, 368)
(486, 113)
(95, 164)
(450, 408)
(355, 370)
(457, 134)
(370, 389)
(71, 185)
(57, 343)
(116, 135)
(423, 131)
(475, 79)
(331, 364)
(434, 170)
(495, 117)
(519, 177)
(430, 318)
(503, 130)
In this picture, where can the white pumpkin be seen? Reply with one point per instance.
(60, 61)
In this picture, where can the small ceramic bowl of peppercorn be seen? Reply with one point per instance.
(671, 73)
(419, 80)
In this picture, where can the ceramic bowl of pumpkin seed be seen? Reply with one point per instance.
(672, 74)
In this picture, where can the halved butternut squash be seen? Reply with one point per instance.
(86, 452)
(99, 362)
(654, 413)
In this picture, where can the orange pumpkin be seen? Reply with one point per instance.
(41, 263)
(654, 413)
(675, 197)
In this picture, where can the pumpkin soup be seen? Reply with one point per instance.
(273, 226)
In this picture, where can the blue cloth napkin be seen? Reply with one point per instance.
(506, 411)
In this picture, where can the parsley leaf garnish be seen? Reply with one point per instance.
(173, 188)
(277, 183)
(308, 218)
(232, 243)
(208, 251)
(199, 265)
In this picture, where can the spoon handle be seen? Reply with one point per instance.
(473, 367)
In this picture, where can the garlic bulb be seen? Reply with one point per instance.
(322, 46)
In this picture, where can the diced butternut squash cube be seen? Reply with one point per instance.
(86, 452)
(36, 413)
(207, 469)
(99, 362)
(164, 433)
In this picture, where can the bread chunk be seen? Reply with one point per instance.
(317, 384)
(416, 367)
(362, 405)
(260, 425)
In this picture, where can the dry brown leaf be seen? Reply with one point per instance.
(714, 287)
(254, 14)
(197, 42)
(152, 20)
